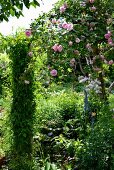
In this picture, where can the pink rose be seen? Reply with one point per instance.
(110, 62)
(91, 1)
(64, 25)
(65, 5)
(54, 21)
(69, 27)
(108, 35)
(55, 47)
(70, 43)
(93, 8)
(53, 72)
(110, 42)
(28, 32)
(62, 9)
(59, 48)
(77, 40)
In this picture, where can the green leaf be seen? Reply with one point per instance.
(36, 3)
(12, 12)
(69, 70)
(26, 2)
(5, 18)
(47, 167)
(33, 4)
(20, 6)
(53, 167)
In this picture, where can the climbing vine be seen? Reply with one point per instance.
(23, 105)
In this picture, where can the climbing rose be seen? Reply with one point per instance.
(54, 21)
(55, 47)
(62, 9)
(28, 32)
(64, 25)
(65, 5)
(110, 41)
(110, 62)
(53, 72)
(67, 26)
(59, 48)
(91, 1)
(108, 35)
(93, 8)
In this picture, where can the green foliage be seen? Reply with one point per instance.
(97, 151)
(62, 134)
(71, 141)
(14, 8)
(89, 29)
(5, 72)
(23, 105)
(49, 166)
(57, 118)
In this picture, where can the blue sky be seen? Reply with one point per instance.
(23, 22)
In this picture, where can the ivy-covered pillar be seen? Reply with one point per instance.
(0, 85)
(23, 105)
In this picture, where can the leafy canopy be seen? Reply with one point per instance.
(14, 7)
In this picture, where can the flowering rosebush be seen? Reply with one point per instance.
(82, 31)
(28, 32)
(53, 72)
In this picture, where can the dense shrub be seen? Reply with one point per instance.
(97, 151)
(23, 105)
(58, 115)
